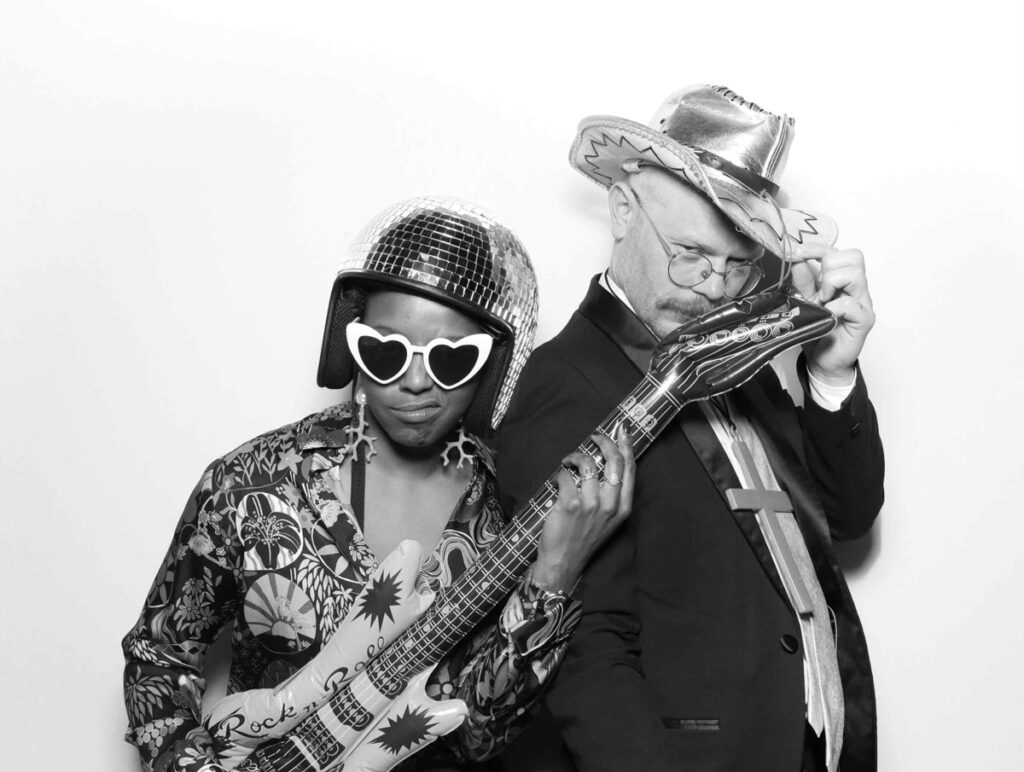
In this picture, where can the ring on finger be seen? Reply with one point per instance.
(612, 480)
(589, 474)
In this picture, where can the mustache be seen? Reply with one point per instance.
(689, 308)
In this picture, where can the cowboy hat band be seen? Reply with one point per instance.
(727, 147)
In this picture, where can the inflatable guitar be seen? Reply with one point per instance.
(360, 702)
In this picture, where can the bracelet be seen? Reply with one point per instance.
(539, 597)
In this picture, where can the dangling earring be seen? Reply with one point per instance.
(458, 444)
(358, 434)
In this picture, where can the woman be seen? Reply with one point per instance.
(432, 315)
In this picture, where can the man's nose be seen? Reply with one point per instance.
(713, 287)
(415, 379)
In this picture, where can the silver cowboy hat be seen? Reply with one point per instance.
(727, 147)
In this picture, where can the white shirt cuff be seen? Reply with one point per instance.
(828, 396)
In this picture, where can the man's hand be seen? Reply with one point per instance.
(841, 286)
(584, 516)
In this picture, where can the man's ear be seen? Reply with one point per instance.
(621, 209)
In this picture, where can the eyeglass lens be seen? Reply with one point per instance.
(448, 365)
(688, 269)
(385, 359)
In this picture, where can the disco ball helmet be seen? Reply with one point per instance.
(453, 252)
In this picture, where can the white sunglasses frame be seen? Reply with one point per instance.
(483, 342)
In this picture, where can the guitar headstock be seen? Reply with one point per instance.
(721, 350)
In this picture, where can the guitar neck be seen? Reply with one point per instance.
(485, 584)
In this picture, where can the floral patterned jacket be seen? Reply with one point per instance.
(269, 543)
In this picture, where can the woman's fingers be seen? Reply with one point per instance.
(617, 478)
(568, 494)
(613, 460)
(590, 507)
(611, 475)
(607, 494)
(589, 485)
(625, 443)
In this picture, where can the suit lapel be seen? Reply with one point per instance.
(637, 342)
(709, 450)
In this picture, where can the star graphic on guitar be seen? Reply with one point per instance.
(405, 730)
(379, 598)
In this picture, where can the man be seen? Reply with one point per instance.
(707, 637)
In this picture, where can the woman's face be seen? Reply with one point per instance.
(413, 410)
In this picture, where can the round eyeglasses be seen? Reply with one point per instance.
(687, 268)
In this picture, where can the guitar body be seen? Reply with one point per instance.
(388, 604)
(394, 729)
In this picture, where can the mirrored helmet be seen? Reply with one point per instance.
(453, 252)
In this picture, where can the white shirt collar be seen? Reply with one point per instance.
(613, 287)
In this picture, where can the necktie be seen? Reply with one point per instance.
(761, 494)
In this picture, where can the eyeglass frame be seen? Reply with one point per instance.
(704, 274)
(482, 341)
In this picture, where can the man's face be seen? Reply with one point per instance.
(687, 220)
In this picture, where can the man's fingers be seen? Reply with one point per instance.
(849, 280)
(810, 250)
(854, 314)
(804, 276)
(841, 270)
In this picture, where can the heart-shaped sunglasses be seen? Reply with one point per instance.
(386, 357)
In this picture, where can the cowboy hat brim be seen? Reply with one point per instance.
(607, 148)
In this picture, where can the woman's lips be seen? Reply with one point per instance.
(416, 412)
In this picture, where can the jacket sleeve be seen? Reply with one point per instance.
(501, 672)
(844, 455)
(193, 596)
(599, 694)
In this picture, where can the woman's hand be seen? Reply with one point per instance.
(585, 515)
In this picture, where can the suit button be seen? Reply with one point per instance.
(855, 429)
(789, 643)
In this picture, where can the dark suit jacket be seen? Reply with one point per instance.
(682, 659)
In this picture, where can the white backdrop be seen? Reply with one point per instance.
(178, 180)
